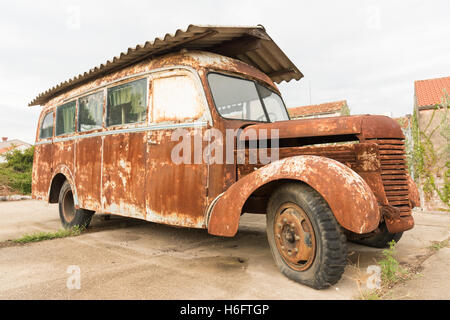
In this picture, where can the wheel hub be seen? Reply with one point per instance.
(294, 236)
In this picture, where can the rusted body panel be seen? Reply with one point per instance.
(123, 177)
(386, 158)
(365, 127)
(348, 195)
(88, 166)
(175, 194)
(127, 173)
(42, 171)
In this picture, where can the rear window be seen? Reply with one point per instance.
(46, 126)
(65, 118)
(127, 103)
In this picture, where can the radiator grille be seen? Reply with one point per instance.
(394, 173)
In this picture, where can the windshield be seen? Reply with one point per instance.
(237, 98)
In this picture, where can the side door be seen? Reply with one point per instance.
(124, 149)
(176, 176)
(88, 150)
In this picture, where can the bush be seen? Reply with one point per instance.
(16, 172)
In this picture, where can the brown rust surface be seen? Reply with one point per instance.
(175, 193)
(348, 195)
(363, 158)
(365, 126)
(42, 171)
(88, 160)
(123, 180)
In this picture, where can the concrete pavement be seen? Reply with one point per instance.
(132, 259)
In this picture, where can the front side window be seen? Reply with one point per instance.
(46, 130)
(236, 98)
(273, 104)
(65, 118)
(90, 112)
(242, 99)
(127, 103)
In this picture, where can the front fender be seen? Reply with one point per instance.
(350, 198)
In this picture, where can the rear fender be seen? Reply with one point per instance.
(64, 170)
(350, 198)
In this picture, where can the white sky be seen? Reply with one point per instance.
(367, 52)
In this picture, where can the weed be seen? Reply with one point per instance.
(389, 265)
(436, 246)
(41, 236)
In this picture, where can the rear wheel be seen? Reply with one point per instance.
(71, 217)
(380, 239)
(306, 241)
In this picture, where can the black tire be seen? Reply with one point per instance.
(327, 240)
(380, 239)
(71, 217)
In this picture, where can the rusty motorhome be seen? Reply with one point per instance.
(105, 139)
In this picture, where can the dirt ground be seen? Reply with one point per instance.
(124, 258)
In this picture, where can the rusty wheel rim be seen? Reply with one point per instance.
(294, 236)
(68, 206)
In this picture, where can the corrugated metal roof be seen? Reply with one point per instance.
(251, 45)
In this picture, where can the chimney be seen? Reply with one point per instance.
(4, 139)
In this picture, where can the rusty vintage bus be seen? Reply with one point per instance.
(105, 142)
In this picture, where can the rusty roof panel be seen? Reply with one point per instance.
(251, 45)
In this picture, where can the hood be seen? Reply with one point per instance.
(363, 126)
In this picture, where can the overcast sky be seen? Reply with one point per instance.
(367, 52)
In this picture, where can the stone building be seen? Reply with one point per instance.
(431, 104)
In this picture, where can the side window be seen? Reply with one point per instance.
(65, 118)
(90, 112)
(46, 130)
(127, 103)
(176, 98)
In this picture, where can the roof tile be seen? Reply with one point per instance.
(430, 92)
(323, 108)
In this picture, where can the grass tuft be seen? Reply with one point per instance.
(41, 236)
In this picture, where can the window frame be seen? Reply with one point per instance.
(199, 89)
(106, 105)
(75, 119)
(52, 111)
(255, 82)
(264, 105)
(104, 91)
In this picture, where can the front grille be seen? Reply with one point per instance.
(394, 173)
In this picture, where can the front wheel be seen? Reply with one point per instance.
(71, 217)
(305, 239)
